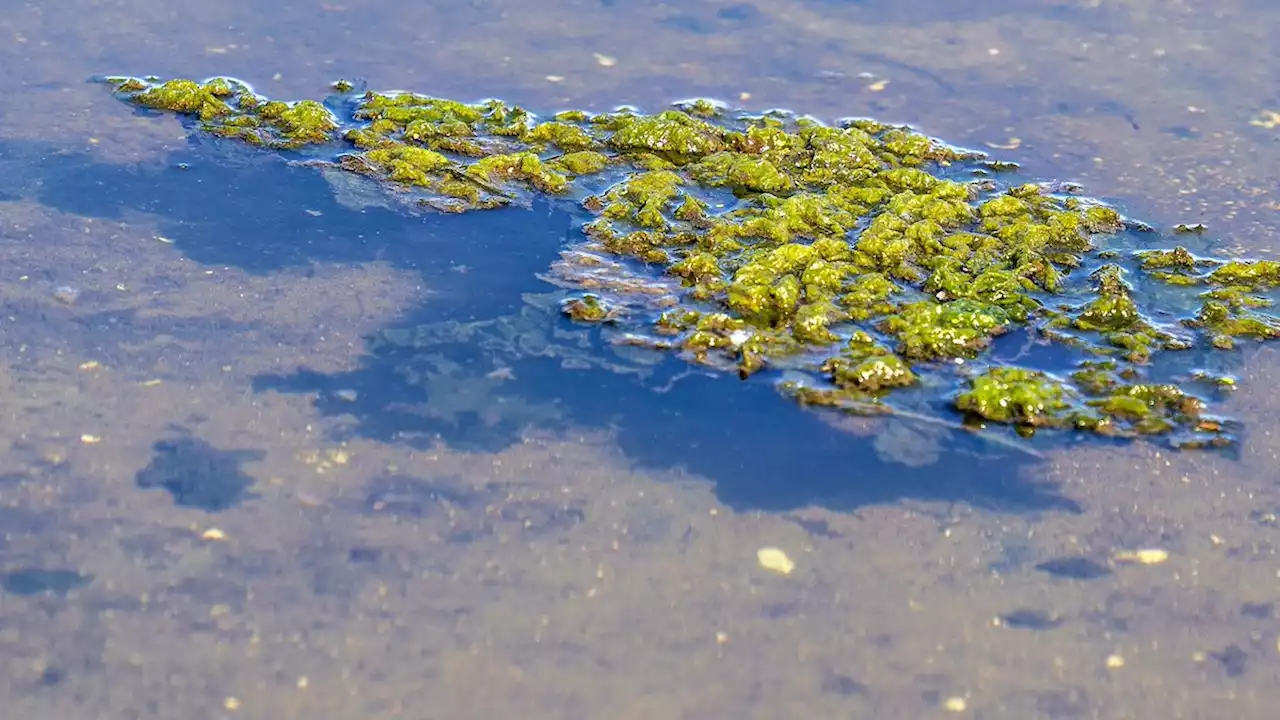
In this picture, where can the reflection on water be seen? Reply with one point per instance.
(489, 355)
(283, 449)
(498, 357)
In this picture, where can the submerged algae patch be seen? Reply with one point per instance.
(867, 265)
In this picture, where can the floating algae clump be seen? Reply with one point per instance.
(1013, 395)
(862, 266)
(588, 309)
(937, 331)
(228, 108)
(406, 164)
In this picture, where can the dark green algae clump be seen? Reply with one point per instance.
(860, 263)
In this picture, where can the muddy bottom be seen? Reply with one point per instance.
(275, 449)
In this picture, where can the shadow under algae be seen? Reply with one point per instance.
(199, 475)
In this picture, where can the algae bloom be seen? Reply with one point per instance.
(860, 266)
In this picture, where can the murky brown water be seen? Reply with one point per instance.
(557, 577)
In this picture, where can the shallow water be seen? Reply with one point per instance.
(240, 482)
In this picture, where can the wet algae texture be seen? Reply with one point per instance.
(862, 267)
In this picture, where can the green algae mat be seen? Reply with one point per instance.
(854, 265)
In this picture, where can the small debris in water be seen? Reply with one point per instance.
(1269, 119)
(1144, 556)
(346, 394)
(502, 373)
(66, 295)
(1012, 144)
(325, 460)
(213, 534)
(772, 558)
(88, 439)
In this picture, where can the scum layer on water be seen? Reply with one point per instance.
(862, 266)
